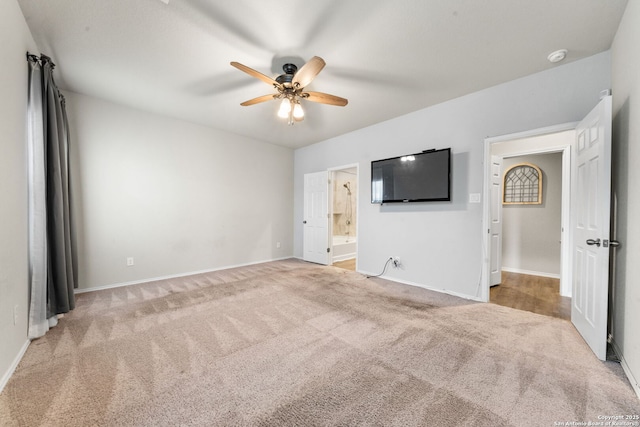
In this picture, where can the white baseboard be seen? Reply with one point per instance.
(14, 365)
(343, 257)
(530, 272)
(625, 367)
(419, 285)
(172, 276)
(423, 286)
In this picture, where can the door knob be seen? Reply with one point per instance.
(592, 242)
(614, 243)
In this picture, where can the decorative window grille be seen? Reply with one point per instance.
(522, 185)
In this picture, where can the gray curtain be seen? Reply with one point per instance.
(52, 254)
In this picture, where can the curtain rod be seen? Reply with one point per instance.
(42, 58)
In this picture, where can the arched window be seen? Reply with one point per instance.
(522, 185)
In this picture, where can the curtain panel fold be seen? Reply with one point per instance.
(52, 253)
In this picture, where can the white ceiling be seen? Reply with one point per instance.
(387, 57)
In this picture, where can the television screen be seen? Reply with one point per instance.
(422, 177)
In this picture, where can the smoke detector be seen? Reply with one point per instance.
(557, 56)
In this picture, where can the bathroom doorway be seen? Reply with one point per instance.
(344, 224)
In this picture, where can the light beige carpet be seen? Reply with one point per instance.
(291, 343)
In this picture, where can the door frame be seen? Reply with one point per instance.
(567, 238)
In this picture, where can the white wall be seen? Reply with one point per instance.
(16, 40)
(175, 196)
(441, 243)
(531, 233)
(626, 176)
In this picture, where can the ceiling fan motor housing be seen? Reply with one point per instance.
(289, 72)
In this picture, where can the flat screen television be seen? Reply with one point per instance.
(421, 177)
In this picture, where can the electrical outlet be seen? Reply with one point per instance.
(130, 261)
(278, 245)
(396, 262)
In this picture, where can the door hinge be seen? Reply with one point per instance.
(328, 250)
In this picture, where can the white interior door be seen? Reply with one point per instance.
(495, 225)
(591, 175)
(316, 218)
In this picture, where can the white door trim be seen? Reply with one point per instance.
(531, 133)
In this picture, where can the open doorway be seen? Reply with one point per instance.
(585, 216)
(531, 238)
(529, 250)
(344, 237)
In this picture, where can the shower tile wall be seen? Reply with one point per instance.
(340, 202)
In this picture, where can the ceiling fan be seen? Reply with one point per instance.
(290, 87)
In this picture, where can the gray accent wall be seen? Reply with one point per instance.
(14, 286)
(441, 243)
(176, 197)
(531, 234)
(626, 177)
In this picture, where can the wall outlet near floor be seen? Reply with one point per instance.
(396, 261)
(130, 261)
(278, 245)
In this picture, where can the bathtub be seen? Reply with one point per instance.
(344, 247)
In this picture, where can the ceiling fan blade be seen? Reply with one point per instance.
(308, 72)
(254, 73)
(325, 98)
(263, 98)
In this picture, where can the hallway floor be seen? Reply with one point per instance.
(531, 293)
(349, 264)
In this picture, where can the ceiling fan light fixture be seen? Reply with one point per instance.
(298, 112)
(285, 108)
